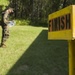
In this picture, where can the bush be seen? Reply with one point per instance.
(22, 22)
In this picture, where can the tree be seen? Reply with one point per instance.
(37, 10)
(64, 3)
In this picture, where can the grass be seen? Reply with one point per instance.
(29, 52)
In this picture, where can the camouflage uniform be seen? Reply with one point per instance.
(5, 31)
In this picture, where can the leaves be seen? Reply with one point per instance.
(37, 10)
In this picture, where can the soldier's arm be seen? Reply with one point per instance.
(6, 20)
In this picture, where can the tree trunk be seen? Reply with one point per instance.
(64, 3)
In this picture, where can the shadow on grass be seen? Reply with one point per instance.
(43, 57)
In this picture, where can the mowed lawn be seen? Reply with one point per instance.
(29, 52)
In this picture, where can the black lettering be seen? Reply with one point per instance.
(50, 26)
(62, 22)
(68, 21)
(58, 23)
(53, 25)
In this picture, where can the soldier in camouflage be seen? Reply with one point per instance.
(4, 24)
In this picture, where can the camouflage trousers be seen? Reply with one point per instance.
(5, 34)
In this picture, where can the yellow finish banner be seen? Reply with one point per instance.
(61, 24)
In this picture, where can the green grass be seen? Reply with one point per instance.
(29, 52)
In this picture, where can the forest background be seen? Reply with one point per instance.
(34, 12)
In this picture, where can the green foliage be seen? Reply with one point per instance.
(22, 22)
(4, 3)
(36, 11)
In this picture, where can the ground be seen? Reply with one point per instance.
(29, 52)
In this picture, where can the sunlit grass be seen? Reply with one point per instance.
(29, 52)
(20, 39)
